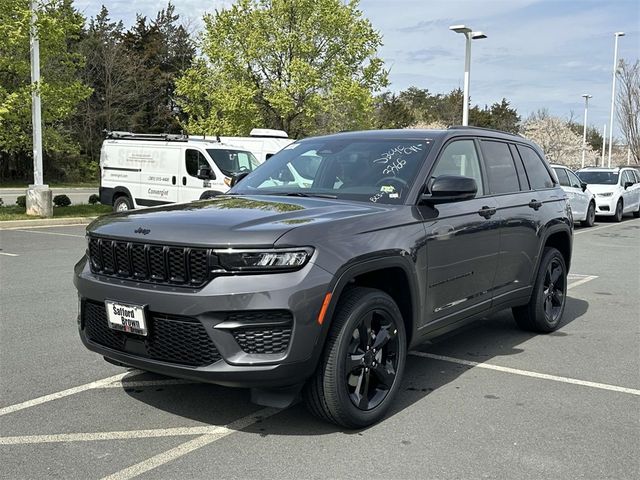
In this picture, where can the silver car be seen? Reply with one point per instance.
(581, 199)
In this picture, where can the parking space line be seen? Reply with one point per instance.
(526, 373)
(588, 230)
(49, 233)
(9, 254)
(191, 445)
(582, 281)
(65, 393)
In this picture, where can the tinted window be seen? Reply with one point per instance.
(460, 158)
(628, 177)
(538, 174)
(231, 162)
(194, 161)
(637, 175)
(573, 180)
(599, 178)
(561, 173)
(501, 171)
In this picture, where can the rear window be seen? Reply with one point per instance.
(539, 176)
(561, 173)
(501, 171)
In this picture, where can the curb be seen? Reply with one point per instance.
(45, 222)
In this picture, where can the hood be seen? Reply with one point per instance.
(227, 220)
(598, 188)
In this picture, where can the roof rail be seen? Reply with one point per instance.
(163, 137)
(462, 127)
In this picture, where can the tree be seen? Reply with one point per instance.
(558, 141)
(59, 26)
(628, 100)
(304, 66)
(392, 112)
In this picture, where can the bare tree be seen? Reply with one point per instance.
(628, 110)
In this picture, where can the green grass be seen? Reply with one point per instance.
(14, 184)
(17, 213)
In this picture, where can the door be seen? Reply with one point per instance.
(583, 197)
(630, 194)
(462, 242)
(158, 173)
(190, 186)
(574, 196)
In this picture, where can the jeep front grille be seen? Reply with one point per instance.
(181, 266)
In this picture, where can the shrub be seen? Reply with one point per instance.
(21, 201)
(93, 199)
(61, 201)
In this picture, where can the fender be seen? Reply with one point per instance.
(550, 230)
(377, 261)
(107, 194)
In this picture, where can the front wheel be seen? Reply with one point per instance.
(544, 311)
(617, 217)
(361, 368)
(122, 204)
(591, 216)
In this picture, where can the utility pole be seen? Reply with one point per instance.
(584, 128)
(604, 144)
(613, 93)
(38, 195)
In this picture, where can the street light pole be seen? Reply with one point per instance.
(469, 35)
(613, 92)
(604, 144)
(584, 129)
(38, 199)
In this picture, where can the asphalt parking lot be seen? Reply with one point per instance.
(488, 401)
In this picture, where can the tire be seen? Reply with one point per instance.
(617, 216)
(122, 204)
(355, 382)
(544, 311)
(636, 214)
(591, 216)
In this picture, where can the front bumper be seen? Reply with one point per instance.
(214, 309)
(606, 206)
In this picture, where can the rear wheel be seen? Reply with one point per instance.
(122, 204)
(591, 216)
(617, 217)
(544, 311)
(361, 368)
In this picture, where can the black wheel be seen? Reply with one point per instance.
(591, 216)
(618, 215)
(361, 368)
(544, 311)
(122, 204)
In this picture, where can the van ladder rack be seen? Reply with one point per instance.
(162, 137)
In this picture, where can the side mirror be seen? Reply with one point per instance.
(236, 178)
(627, 185)
(450, 188)
(205, 174)
(583, 186)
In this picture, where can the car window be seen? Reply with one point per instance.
(371, 170)
(231, 162)
(637, 175)
(628, 177)
(537, 173)
(460, 158)
(598, 178)
(574, 180)
(501, 171)
(563, 178)
(194, 161)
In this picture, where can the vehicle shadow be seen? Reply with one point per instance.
(494, 336)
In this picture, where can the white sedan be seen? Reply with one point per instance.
(581, 199)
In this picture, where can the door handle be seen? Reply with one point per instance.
(173, 180)
(184, 180)
(535, 204)
(487, 212)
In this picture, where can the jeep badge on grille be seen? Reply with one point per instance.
(141, 230)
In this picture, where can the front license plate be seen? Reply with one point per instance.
(126, 317)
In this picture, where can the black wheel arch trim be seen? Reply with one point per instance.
(108, 194)
(549, 231)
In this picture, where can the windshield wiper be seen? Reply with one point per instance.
(303, 194)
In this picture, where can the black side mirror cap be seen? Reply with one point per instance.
(236, 178)
(627, 185)
(205, 174)
(583, 186)
(450, 188)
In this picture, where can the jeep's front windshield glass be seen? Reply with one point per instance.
(599, 178)
(232, 162)
(368, 170)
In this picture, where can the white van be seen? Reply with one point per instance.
(262, 142)
(143, 170)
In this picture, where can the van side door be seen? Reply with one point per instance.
(191, 187)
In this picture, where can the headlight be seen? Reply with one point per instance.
(605, 194)
(264, 260)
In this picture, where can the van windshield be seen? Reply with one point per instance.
(231, 162)
(599, 178)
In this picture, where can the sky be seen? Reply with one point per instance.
(537, 54)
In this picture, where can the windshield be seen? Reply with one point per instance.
(231, 162)
(599, 178)
(378, 171)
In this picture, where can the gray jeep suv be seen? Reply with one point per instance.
(319, 270)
